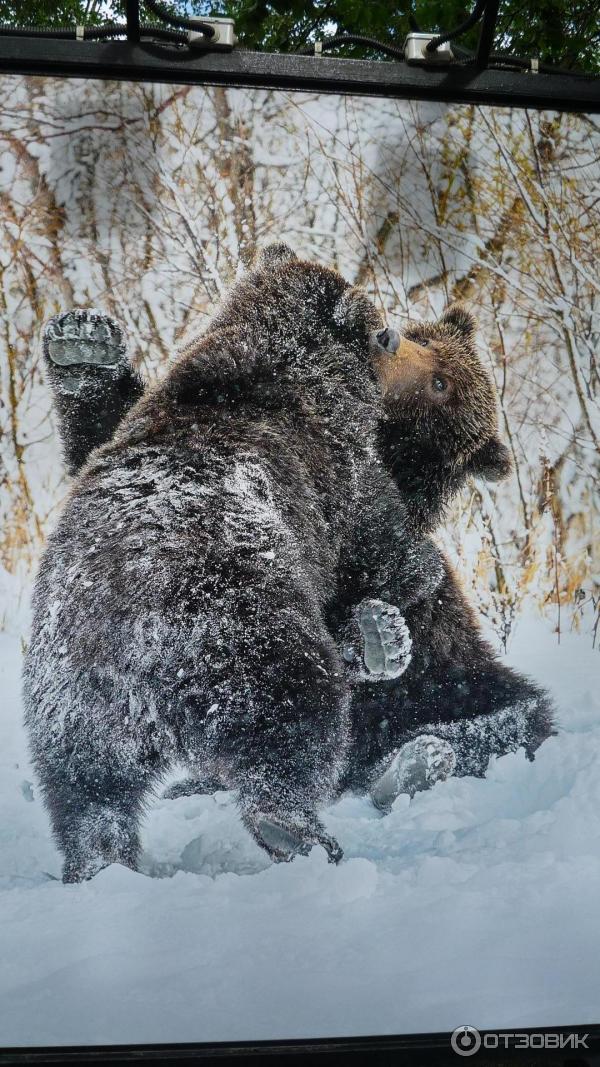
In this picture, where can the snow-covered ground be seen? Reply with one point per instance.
(474, 903)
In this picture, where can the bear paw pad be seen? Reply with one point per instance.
(84, 337)
(418, 765)
(387, 644)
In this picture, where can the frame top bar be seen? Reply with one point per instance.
(123, 60)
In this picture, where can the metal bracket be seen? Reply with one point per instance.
(415, 50)
(224, 40)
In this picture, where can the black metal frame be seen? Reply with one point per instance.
(487, 33)
(470, 83)
(128, 60)
(412, 1050)
(132, 14)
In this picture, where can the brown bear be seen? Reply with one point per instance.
(441, 427)
(457, 704)
(179, 611)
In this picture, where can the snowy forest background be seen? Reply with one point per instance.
(145, 200)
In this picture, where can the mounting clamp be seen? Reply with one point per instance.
(415, 50)
(224, 39)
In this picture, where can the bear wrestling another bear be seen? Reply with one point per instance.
(440, 428)
(179, 609)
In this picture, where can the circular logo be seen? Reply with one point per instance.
(466, 1040)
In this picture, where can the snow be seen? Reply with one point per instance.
(474, 902)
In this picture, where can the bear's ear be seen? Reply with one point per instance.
(460, 319)
(355, 309)
(492, 461)
(274, 255)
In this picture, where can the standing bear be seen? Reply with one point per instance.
(180, 609)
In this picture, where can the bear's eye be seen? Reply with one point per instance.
(424, 342)
(439, 384)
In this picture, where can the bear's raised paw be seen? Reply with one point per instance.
(387, 644)
(83, 338)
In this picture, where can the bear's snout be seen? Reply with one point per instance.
(388, 341)
(407, 371)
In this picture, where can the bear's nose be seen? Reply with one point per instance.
(388, 340)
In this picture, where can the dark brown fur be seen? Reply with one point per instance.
(180, 607)
(432, 442)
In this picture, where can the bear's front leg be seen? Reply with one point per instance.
(93, 383)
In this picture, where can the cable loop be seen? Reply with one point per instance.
(470, 21)
(180, 21)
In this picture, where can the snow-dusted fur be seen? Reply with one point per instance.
(456, 687)
(180, 607)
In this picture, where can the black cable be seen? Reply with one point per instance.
(354, 38)
(504, 61)
(93, 33)
(159, 33)
(496, 60)
(470, 21)
(36, 31)
(165, 15)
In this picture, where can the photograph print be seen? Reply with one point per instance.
(299, 564)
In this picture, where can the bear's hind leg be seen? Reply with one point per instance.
(476, 738)
(284, 735)
(95, 812)
(434, 751)
(93, 382)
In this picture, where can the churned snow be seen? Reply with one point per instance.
(475, 902)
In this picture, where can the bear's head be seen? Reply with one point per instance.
(313, 326)
(295, 336)
(440, 401)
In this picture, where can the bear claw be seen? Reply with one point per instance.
(283, 841)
